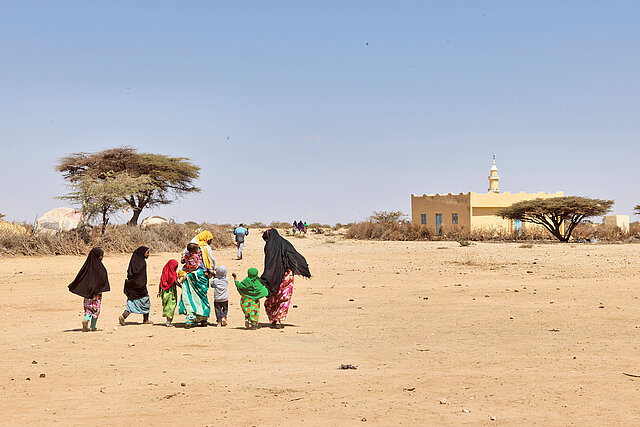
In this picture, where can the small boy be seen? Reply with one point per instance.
(220, 285)
(192, 258)
(251, 290)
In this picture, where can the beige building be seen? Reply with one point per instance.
(621, 221)
(471, 211)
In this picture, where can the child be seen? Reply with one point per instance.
(192, 258)
(168, 291)
(251, 290)
(135, 287)
(90, 282)
(220, 285)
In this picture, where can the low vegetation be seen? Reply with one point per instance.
(120, 238)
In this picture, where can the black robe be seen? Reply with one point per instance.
(279, 256)
(92, 278)
(135, 285)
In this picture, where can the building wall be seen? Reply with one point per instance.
(476, 211)
(621, 221)
(446, 205)
(485, 206)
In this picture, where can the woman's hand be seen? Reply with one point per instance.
(234, 276)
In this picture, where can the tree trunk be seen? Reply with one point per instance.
(136, 215)
(105, 220)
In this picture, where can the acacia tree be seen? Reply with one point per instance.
(386, 217)
(555, 212)
(637, 209)
(102, 196)
(167, 178)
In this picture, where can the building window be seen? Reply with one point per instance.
(439, 224)
(454, 218)
(423, 218)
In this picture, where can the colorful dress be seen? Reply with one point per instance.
(92, 306)
(140, 306)
(277, 306)
(192, 260)
(251, 290)
(194, 302)
(169, 301)
(251, 309)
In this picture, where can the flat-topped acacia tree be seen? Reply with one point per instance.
(167, 178)
(553, 212)
(637, 209)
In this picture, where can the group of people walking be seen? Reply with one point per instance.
(300, 227)
(197, 274)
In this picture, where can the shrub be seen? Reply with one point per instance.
(369, 230)
(279, 224)
(119, 238)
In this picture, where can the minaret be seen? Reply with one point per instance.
(493, 178)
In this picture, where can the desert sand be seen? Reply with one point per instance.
(440, 334)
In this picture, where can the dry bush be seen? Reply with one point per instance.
(603, 232)
(121, 238)
(369, 230)
(280, 224)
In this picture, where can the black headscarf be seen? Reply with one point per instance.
(92, 278)
(135, 286)
(279, 256)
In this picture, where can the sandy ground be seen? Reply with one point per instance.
(536, 335)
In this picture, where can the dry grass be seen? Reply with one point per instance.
(369, 230)
(121, 238)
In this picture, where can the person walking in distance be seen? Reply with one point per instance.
(240, 232)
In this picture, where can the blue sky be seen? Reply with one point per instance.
(324, 111)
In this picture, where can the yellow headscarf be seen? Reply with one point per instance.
(202, 239)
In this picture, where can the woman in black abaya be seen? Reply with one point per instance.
(281, 263)
(135, 286)
(90, 282)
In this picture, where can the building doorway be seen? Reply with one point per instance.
(439, 224)
(517, 227)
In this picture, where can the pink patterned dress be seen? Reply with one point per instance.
(277, 305)
(92, 306)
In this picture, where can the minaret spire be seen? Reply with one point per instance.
(493, 177)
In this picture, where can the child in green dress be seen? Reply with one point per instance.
(251, 290)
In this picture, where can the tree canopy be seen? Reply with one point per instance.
(555, 212)
(102, 197)
(637, 209)
(386, 217)
(166, 178)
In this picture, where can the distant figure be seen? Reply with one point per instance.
(90, 282)
(240, 232)
(295, 227)
(220, 287)
(281, 262)
(135, 286)
(251, 290)
(300, 226)
(306, 227)
(168, 290)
